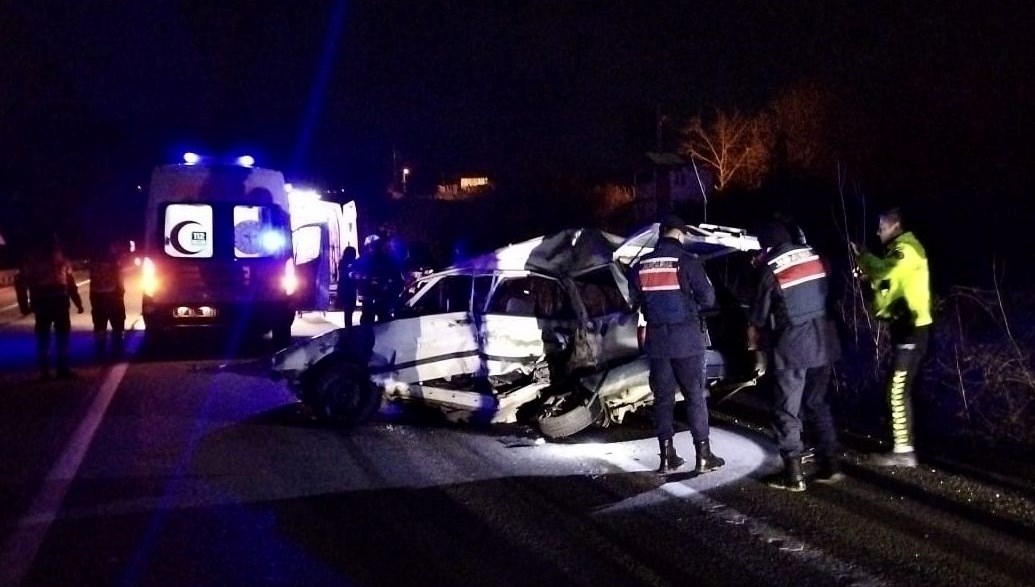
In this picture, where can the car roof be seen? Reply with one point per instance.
(571, 251)
(705, 240)
(576, 251)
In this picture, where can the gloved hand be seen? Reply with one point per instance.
(761, 363)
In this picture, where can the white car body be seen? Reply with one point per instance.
(482, 339)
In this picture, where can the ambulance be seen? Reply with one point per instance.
(218, 250)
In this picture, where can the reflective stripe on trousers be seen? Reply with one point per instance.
(905, 366)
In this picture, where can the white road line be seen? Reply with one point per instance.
(841, 573)
(19, 549)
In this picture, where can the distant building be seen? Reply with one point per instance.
(665, 182)
(464, 188)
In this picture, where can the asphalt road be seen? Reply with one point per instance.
(188, 466)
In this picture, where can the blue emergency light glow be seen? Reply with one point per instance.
(272, 241)
(191, 158)
(246, 160)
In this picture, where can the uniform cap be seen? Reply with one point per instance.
(773, 233)
(671, 222)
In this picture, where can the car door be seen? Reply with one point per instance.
(610, 323)
(311, 253)
(518, 324)
(431, 336)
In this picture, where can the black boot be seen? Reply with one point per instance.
(670, 461)
(790, 479)
(829, 469)
(706, 461)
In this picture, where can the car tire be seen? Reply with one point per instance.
(577, 419)
(342, 394)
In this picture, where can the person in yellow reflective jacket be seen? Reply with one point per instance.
(902, 297)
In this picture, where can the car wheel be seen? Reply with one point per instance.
(567, 420)
(343, 394)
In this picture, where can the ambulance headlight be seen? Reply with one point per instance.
(149, 277)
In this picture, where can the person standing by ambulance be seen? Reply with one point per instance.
(671, 289)
(902, 297)
(45, 286)
(107, 301)
(347, 288)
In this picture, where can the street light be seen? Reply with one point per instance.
(406, 173)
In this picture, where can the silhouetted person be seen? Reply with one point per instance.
(107, 300)
(379, 280)
(46, 287)
(347, 284)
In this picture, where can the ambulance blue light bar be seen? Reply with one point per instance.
(191, 158)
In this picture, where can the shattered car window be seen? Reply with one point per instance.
(600, 293)
(513, 297)
(531, 296)
(449, 294)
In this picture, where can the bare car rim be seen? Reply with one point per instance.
(344, 394)
(570, 417)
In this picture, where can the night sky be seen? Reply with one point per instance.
(937, 102)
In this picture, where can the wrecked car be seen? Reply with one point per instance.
(540, 331)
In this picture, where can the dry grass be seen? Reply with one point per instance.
(978, 381)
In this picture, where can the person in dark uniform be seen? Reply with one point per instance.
(347, 284)
(817, 379)
(107, 300)
(380, 280)
(670, 288)
(45, 286)
(790, 308)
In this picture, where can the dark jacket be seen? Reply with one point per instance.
(791, 305)
(671, 289)
(45, 276)
(106, 276)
